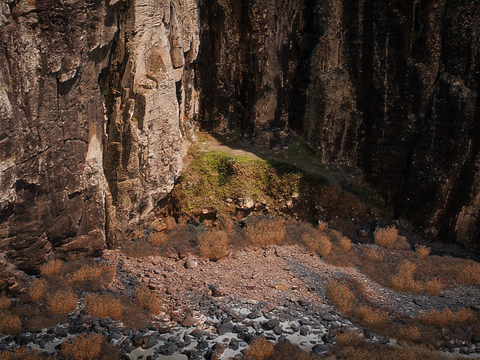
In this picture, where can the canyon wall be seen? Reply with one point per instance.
(96, 102)
(388, 86)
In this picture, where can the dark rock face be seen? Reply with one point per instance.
(388, 86)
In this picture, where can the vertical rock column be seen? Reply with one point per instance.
(150, 100)
(52, 186)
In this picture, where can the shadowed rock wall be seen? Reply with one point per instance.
(389, 86)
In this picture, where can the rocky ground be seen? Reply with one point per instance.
(213, 310)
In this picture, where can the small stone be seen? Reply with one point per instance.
(191, 263)
(270, 324)
(320, 349)
(363, 233)
(328, 338)
(234, 344)
(253, 315)
(278, 330)
(189, 321)
(167, 350)
(225, 328)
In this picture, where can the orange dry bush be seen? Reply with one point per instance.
(403, 278)
(212, 245)
(38, 290)
(340, 296)
(422, 251)
(469, 273)
(317, 243)
(433, 287)
(259, 349)
(322, 226)
(9, 323)
(62, 302)
(23, 353)
(464, 315)
(83, 347)
(103, 305)
(5, 303)
(409, 334)
(147, 300)
(385, 236)
(158, 238)
(438, 317)
(133, 316)
(345, 244)
(349, 338)
(370, 316)
(265, 232)
(92, 277)
(373, 255)
(285, 350)
(52, 267)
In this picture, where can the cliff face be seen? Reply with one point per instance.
(97, 100)
(389, 86)
(95, 106)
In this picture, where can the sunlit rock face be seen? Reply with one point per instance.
(388, 86)
(96, 99)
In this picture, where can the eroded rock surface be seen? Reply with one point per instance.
(65, 157)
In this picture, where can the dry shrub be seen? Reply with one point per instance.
(212, 245)
(322, 227)
(42, 321)
(265, 232)
(285, 350)
(345, 244)
(103, 305)
(469, 273)
(403, 278)
(139, 249)
(5, 303)
(373, 255)
(92, 277)
(259, 349)
(62, 302)
(379, 352)
(83, 347)
(385, 236)
(370, 316)
(23, 353)
(340, 296)
(401, 244)
(464, 315)
(148, 300)
(158, 239)
(52, 267)
(318, 243)
(438, 317)
(422, 251)
(133, 316)
(433, 287)
(409, 334)
(9, 323)
(226, 223)
(38, 290)
(349, 338)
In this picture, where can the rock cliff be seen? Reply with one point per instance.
(95, 106)
(97, 100)
(389, 86)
